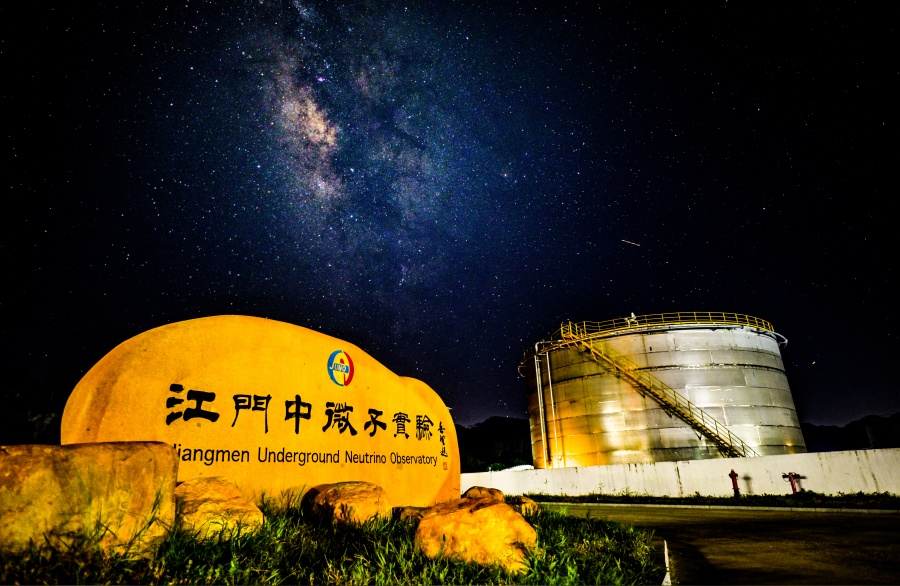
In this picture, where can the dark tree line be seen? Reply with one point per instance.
(870, 432)
(494, 444)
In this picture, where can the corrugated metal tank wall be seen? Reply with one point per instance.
(592, 417)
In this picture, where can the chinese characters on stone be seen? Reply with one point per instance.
(199, 397)
(443, 442)
(338, 414)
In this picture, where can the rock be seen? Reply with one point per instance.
(210, 505)
(524, 505)
(271, 406)
(118, 496)
(477, 530)
(309, 497)
(353, 502)
(477, 492)
(410, 514)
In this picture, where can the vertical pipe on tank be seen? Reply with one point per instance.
(553, 412)
(545, 449)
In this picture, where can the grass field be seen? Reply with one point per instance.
(294, 548)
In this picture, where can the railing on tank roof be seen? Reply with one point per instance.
(590, 329)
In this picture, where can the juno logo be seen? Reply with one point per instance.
(340, 368)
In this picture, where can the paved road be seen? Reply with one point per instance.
(740, 546)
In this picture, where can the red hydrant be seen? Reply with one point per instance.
(792, 478)
(734, 484)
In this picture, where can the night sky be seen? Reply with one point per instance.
(443, 183)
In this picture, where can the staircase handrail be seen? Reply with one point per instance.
(669, 398)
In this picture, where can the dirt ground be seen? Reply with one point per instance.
(741, 546)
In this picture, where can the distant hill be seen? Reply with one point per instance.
(872, 431)
(494, 444)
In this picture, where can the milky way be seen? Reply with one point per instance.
(370, 172)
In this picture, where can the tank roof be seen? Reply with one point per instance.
(574, 331)
(657, 320)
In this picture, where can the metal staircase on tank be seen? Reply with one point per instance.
(669, 399)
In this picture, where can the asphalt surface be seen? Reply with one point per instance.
(753, 546)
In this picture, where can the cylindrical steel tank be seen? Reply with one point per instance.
(661, 387)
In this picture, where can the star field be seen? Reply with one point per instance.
(442, 184)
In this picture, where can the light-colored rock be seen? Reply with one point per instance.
(119, 496)
(477, 530)
(271, 406)
(353, 502)
(479, 492)
(208, 506)
(524, 505)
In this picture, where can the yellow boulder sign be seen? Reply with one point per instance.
(274, 407)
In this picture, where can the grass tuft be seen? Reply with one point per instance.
(295, 547)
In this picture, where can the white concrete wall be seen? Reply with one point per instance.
(823, 472)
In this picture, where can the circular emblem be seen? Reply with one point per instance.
(340, 368)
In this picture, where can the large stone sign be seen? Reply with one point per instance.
(273, 407)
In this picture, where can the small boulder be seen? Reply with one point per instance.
(351, 502)
(410, 514)
(524, 505)
(309, 497)
(480, 492)
(479, 530)
(119, 496)
(209, 505)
